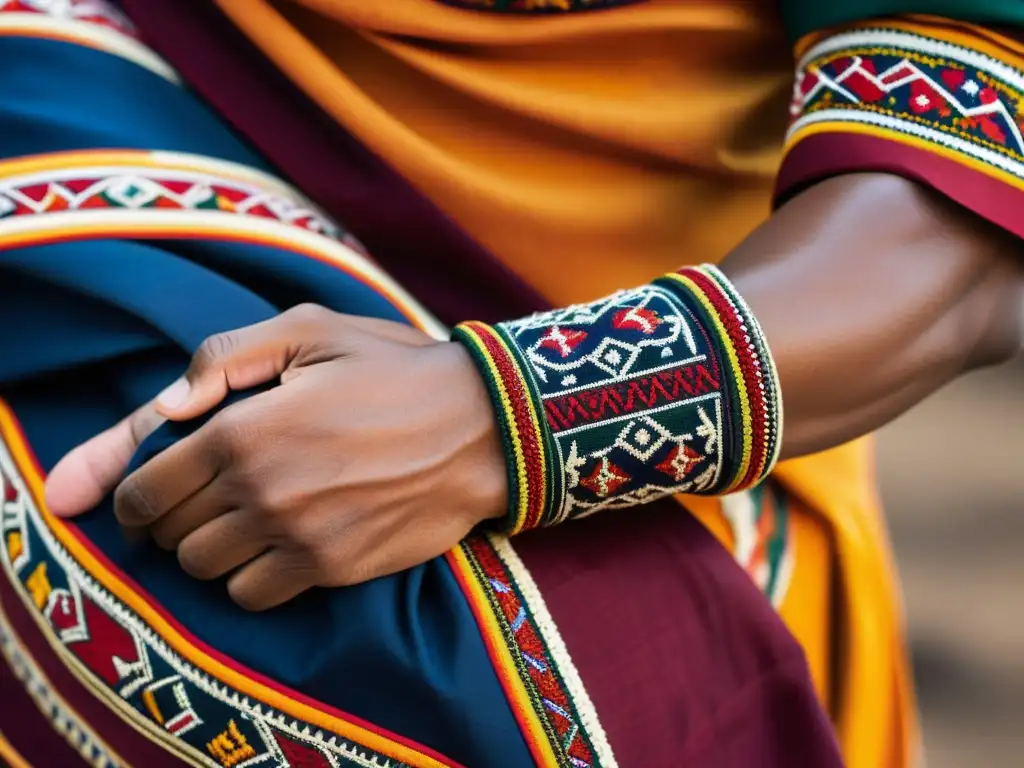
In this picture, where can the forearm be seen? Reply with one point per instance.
(870, 291)
(873, 293)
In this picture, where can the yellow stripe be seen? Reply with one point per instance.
(748, 431)
(510, 419)
(535, 424)
(510, 671)
(890, 134)
(10, 755)
(243, 684)
(767, 367)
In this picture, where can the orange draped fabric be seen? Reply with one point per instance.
(592, 152)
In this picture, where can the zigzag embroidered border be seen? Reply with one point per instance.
(930, 91)
(84, 188)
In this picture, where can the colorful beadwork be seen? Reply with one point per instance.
(165, 189)
(537, 6)
(551, 704)
(942, 95)
(668, 388)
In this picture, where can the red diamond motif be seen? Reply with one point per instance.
(680, 462)
(637, 319)
(605, 480)
(563, 341)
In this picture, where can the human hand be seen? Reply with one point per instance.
(378, 451)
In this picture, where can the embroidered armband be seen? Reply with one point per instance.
(668, 388)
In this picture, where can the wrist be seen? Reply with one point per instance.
(668, 388)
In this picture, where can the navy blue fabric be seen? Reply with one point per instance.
(96, 328)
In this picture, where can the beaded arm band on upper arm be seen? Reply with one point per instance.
(668, 388)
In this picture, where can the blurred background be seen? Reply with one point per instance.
(952, 474)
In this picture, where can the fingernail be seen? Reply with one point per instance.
(174, 395)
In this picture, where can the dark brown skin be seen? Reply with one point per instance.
(872, 292)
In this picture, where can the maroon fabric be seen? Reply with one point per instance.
(27, 729)
(823, 155)
(684, 659)
(680, 653)
(407, 234)
(135, 748)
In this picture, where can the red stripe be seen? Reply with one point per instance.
(732, 321)
(519, 397)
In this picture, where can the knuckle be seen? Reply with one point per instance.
(214, 349)
(270, 501)
(131, 503)
(195, 563)
(245, 599)
(307, 313)
(163, 538)
(231, 433)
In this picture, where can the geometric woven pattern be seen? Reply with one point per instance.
(762, 537)
(87, 189)
(66, 721)
(938, 93)
(610, 376)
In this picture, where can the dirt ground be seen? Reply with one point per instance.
(953, 478)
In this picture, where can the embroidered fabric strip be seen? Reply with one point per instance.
(548, 698)
(942, 91)
(668, 388)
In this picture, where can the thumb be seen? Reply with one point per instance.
(229, 361)
(89, 472)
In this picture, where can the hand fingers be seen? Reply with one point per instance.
(261, 352)
(273, 578)
(205, 505)
(168, 479)
(223, 544)
(229, 361)
(89, 472)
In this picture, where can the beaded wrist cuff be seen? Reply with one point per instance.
(668, 388)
